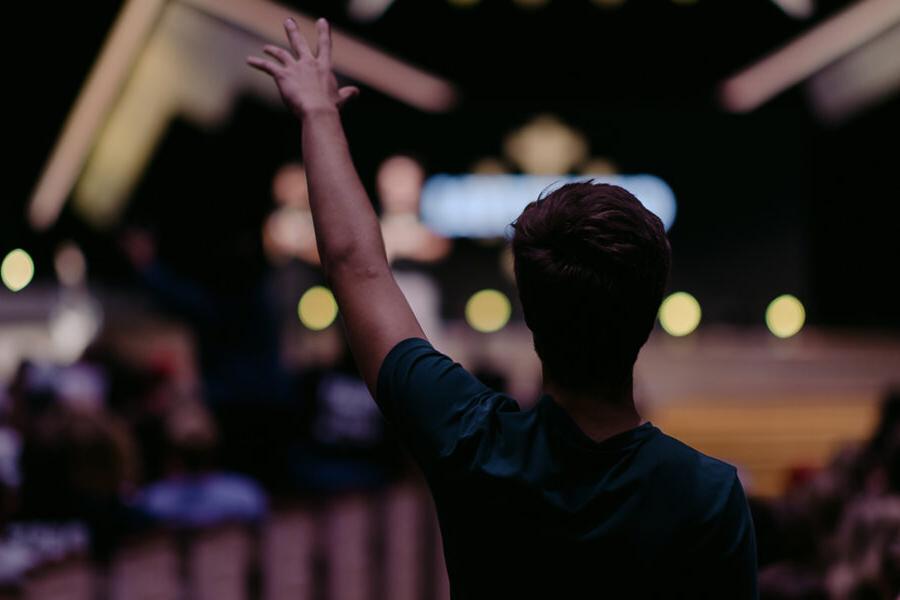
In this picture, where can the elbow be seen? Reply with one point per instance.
(351, 261)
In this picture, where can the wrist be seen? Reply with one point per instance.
(319, 111)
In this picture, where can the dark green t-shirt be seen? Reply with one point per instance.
(531, 507)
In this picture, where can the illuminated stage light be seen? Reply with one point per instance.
(546, 146)
(317, 308)
(172, 61)
(680, 314)
(849, 29)
(70, 265)
(785, 316)
(488, 311)
(399, 183)
(483, 206)
(17, 270)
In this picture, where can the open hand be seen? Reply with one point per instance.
(305, 80)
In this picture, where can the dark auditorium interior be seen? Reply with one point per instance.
(180, 414)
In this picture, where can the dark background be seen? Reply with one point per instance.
(771, 202)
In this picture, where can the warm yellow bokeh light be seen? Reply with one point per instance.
(785, 316)
(17, 270)
(317, 308)
(488, 311)
(679, 314)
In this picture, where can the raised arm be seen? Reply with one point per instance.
(348, 234)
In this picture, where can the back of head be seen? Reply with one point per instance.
(591, 266)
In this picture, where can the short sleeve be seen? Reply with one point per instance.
(442, 413)
(734, 549)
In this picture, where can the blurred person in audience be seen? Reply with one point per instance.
(230, 313)
(834, 535)
(195, 493)
(577, 496)
(227, 302)
(867, 551)
(141, 395)
(78, 465)
(343, 443)
(880, 457)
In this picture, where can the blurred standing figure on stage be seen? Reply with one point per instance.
(577, 496)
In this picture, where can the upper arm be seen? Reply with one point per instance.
(441, 412)
(375, 312)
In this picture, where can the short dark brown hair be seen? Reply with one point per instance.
(591, 266)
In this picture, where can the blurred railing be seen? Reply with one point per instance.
(362, 546)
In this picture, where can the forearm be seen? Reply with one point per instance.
(348, 233)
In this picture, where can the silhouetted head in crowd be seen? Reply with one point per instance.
(74, 461)
(192, 439)
(591, 265)
(889, 423)
(879, 461)
(810, 513)
(867, 551)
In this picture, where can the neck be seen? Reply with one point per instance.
(600, 415)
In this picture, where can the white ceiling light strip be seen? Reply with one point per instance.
(809, 53)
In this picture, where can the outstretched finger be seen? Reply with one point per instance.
(280, 54)
(266, 66)
(324, 29)
(298, 43)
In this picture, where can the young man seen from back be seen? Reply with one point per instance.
(576, 497)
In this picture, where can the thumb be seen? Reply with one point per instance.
(345, 94)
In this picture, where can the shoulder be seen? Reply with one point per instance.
(708, 486)
(675, 455)
(713, 513)
(414, 370)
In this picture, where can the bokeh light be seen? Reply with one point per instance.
(463, 3)
(73, 326)
(785, 316)
(680, 314)
(317, 308)
(546, 146)
(17, 270)
(488, 311)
